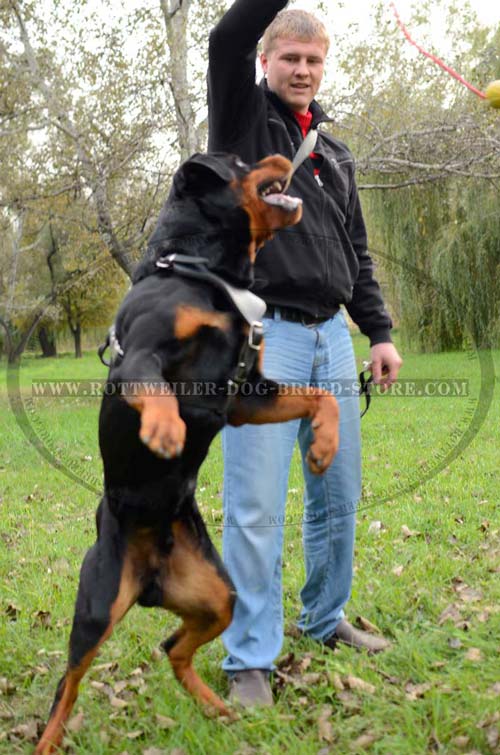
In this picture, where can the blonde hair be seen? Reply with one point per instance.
(294, 24)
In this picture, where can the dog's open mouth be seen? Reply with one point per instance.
(272, 192)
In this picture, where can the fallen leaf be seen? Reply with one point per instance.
(61, 566)
(117, 702)
(42, 619)
(398, 570)
(286, 661)
(407, 532)
(335, 680)
(349, 701)
(364, 741)
(120, 686)
(483, 616)
(375, 527)
(28, 731)
(245, 749)
(489, 720)
(157, 655)
(137, 671)
(154, 751)
(311, 679)
(454, 643)
(325, 727)
(106, 666)
(492, 737)
(305, 662)
(461, 741)
(293, 631)
(474, 654)
(366, 625)
(76, 722)
(415, 691)
(355, 683)
(137, 683)
(495, 689)
(164, 722)
(390, 677)
(6, 687)
(450, 613)
(135, 734)
(468, 594)
(12, 612)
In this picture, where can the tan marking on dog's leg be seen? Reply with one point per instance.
(297, 403)
(52, 736)
(195, 591)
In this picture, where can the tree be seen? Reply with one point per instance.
(428, 160)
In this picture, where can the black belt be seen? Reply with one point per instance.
(297, 315)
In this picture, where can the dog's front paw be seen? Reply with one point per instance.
(162, 429)
(325, 426)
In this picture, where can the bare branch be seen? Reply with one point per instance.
(93, 175)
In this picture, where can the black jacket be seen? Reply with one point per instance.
(323, 261)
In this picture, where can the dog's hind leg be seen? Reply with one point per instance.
(108, 588)
(197, 589)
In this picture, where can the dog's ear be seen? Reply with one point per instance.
(202, 173)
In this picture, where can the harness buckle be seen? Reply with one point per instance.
(255, 335)
(166, 262)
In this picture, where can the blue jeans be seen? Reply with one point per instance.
(256, 467)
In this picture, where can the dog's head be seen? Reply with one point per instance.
(223, 209)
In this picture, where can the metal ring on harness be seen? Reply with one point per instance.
(101, 351)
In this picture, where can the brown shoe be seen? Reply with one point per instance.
(251, 688)
(356, 638)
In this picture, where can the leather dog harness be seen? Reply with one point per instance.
(248, 305)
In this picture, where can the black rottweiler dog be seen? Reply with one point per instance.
(186, 360)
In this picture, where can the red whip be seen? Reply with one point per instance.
(434, 58)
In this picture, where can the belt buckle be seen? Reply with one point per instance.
(312, 321)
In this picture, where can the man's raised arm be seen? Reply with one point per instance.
(234, 100)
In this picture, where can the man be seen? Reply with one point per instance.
(304, 275)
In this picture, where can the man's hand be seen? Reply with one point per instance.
(385, 365)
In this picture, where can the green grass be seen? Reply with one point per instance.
(47, 523)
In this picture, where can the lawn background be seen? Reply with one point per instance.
(427, 565)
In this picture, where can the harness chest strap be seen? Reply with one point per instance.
(251, 307)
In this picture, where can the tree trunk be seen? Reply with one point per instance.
(176, 17)
(77, 335)
(47, 340)
(14, 350)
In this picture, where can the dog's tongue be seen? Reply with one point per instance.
(284, 201)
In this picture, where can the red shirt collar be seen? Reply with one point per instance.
(304, 120)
